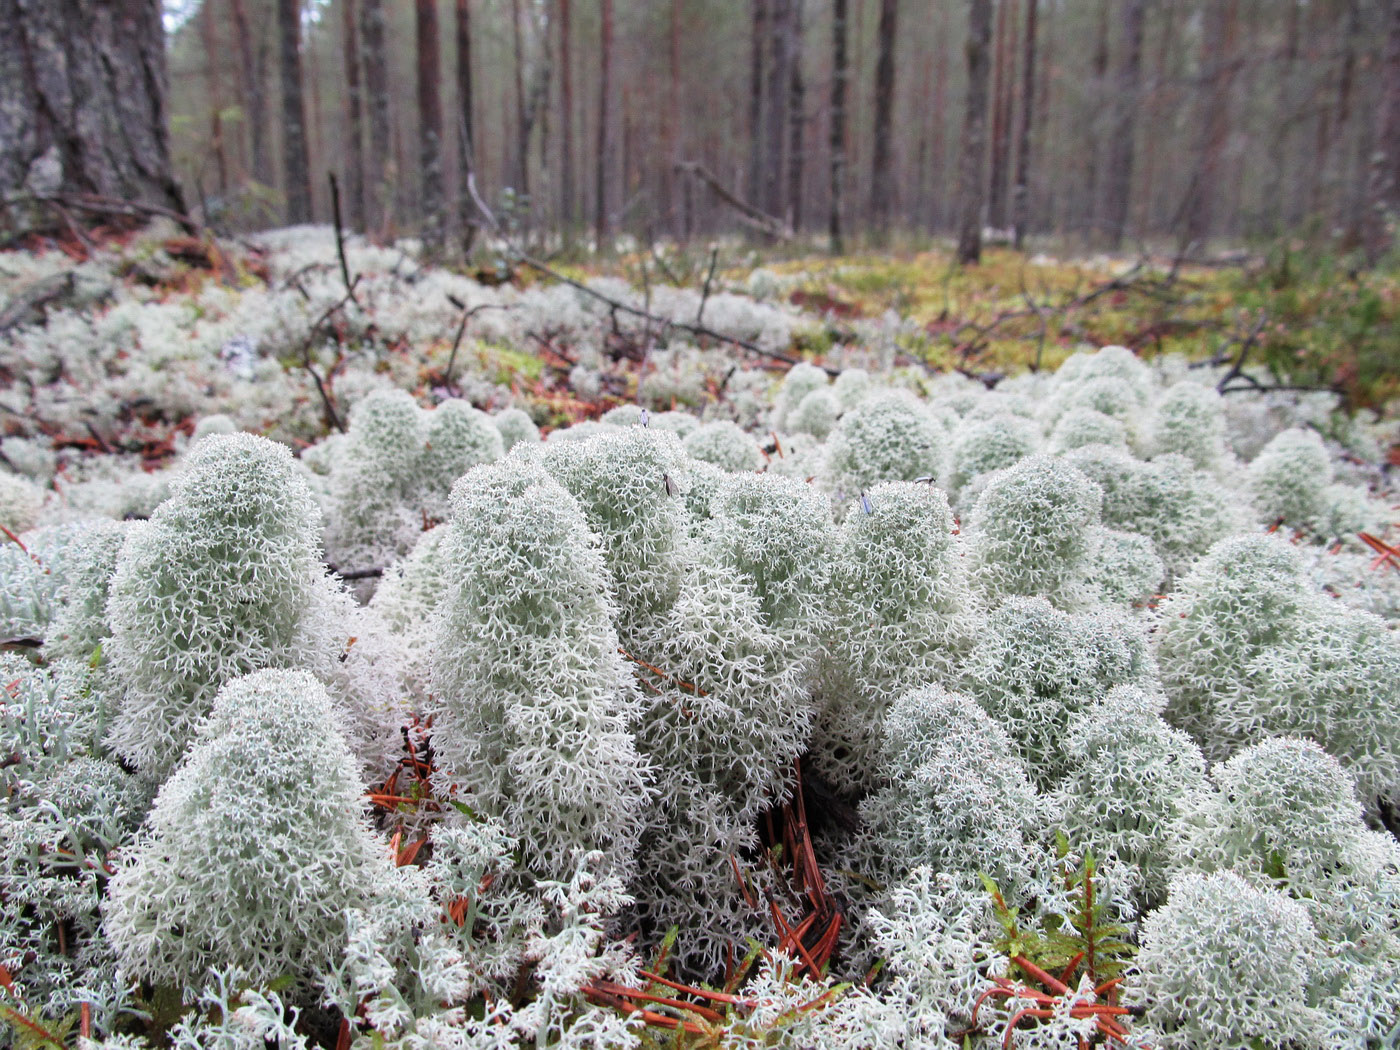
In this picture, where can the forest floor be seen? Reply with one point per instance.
(1313, 321)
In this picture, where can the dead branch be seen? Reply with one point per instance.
(95, 204)
(705, 291)
(467, 315)
(761, 220)
(340, 239)
(649, 318)
(37, 295)
(327, 403)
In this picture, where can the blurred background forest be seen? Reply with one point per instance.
(1103, 123)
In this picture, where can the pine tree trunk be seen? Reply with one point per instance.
(252, 73)
(797, 123)
(466, 128)
(1119, 180)
(83, 100)
(1383, 187)
(354, 148)
(758, 67)
(296, 173)
(1219, 66)
(839, 75)
(600, 222)
(881, 177)
(778, 92)
(566, 117)
(972, 163)
(1021, 195)
(381, 174)
(1003, 87)
(429, 122)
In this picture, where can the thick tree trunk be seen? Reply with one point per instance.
(972, 163)
(840, 72)
(382, 174)
(429, 122)
(83, 100)
(1383, 188)
(296, 171)
(881, 177)
(1021, 194)
(354, 148)
(1119, 177)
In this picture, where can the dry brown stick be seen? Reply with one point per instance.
(99, 205)
(332, 417)
(768, 224)
(705, 290)
(616, 305)
(340, 239)
(36, 295)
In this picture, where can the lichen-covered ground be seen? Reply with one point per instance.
(854, 653)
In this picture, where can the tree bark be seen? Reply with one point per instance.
(466, 127)
(778, 106)
(972, 163)
(83, 90)
(1021, 195)
(1003, 87)
(1119, 181)
(253, 88)
(797, 123)
(566, 116)
(1219, 66)
(522, 137)
(839, 74)
(600, 219)
(430, 122)
(758, 66)
(354, 148)
(881, 177)
(1383, 185)
(296, 173)
(382, 174)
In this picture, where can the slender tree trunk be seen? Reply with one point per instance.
(380, 174)
(1119, 182)
(1093, 181)
(252, 72)
(600, 221)
(1346, 90)
(1219, 65)
(295, 167)
(972, 162)
(208, 32)
(566, 116)
(83, 100)
(675, 202)
(522, 136)
(778, 107)
(881, 176)
(939, 213)
(1157, 95)
(758, 68)
(1383, 185)
(429, 122)
(1003, 87)
(466, 128)
(354, 147)
(839, 73)
(797, 123)
(1021, 195)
